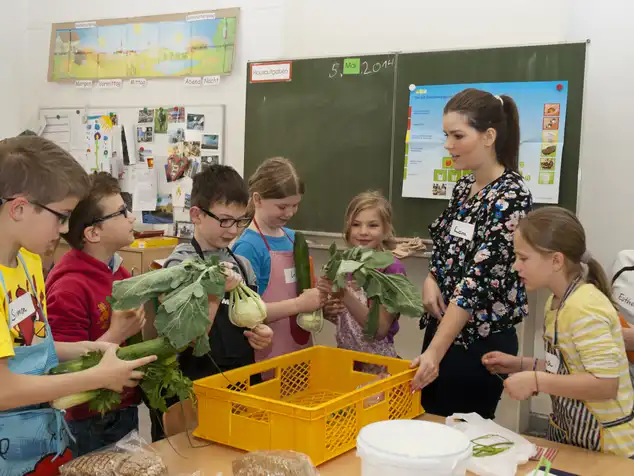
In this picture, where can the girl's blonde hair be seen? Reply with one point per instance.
(371, 200)
(557, 230)
(275, 178)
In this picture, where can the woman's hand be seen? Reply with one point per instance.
(432, 298)
(427, 372)
(501, 363)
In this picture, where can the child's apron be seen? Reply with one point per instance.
(571, 421)
(287, 335)
(33, 440)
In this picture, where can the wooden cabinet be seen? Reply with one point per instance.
(135, 260)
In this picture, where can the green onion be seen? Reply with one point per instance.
(480, 450)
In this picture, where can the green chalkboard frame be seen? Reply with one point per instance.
(345, 133)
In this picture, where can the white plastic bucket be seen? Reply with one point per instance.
(412, 448)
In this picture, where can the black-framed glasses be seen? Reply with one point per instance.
(62, 217)
(122, 211)
(229, 222)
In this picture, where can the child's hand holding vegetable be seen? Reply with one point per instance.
(334, 307)
(234, 279)
(260, 337)
(115, 374)
(125, 324)
(310, 300)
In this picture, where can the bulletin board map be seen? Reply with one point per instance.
(189, 44)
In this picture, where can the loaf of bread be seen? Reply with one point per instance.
(274, 463)
(111, 463)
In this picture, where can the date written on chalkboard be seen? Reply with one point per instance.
(354, 66)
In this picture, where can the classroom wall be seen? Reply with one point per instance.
(607, 166)
(13, 41)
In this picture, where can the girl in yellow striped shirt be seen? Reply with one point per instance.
(586, 369)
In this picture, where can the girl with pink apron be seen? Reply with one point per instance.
(287, 335)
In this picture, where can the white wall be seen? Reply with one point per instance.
(607, 191)
(13, 38)
(260, 34)
(331, 27)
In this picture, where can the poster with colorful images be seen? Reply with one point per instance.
(161, 46)
(99, 142)
(429, 171)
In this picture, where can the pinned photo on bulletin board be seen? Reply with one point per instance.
(191, 149)
(146, 116)
(184, 229)
(162, 215)
(196, 122)
(144, 134)
(209, 160)
(160, 121)
(176, 114)
(175, 134)
(210, 141)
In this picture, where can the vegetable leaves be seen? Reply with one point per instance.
(394, 291)
(183, 316)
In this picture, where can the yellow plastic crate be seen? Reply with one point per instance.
(312, 405)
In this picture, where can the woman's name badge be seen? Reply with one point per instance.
(552, 363)
(463, 230)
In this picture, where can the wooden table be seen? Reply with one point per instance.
(215, 460)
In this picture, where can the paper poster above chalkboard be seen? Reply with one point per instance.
(159, 46)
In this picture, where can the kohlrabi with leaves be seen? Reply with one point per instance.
(393, 291)
(183, 314)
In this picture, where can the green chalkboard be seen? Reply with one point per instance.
(343, 122)
(563, 62)
(334, 120)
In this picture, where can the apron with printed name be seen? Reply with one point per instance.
(571, 421)
(33, 440)
(287, 335)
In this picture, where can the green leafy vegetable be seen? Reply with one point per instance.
(162, 379)
(183, 315)
(394, 291)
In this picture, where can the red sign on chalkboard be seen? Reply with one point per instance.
(276, 72)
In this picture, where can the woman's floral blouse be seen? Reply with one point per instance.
(478, 275)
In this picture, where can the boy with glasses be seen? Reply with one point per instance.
(77, 289)
(219, 200)
(40, 185)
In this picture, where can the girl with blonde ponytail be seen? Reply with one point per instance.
(586, 370)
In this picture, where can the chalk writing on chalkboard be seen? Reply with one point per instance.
(351, 66)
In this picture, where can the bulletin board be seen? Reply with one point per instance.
(154, 151)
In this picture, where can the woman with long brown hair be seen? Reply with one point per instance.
(472, 296)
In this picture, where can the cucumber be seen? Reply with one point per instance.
(159, 347)
(302, 263)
